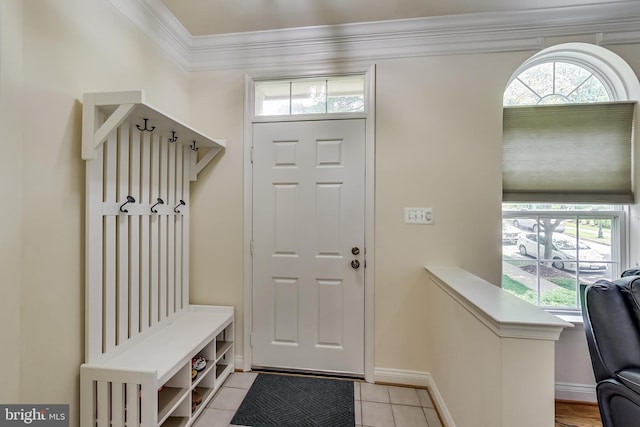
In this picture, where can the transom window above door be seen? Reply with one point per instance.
(345, 94)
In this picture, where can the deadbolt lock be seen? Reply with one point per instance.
(355, 250)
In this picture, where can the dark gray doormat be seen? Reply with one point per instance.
(283, 400)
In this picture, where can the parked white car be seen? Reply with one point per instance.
(533, 224)
(509, 233)
(564, 253)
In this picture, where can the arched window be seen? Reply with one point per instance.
(575, 73)
(566, 111)
(556, 82)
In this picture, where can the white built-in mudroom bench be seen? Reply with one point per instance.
(143, 338)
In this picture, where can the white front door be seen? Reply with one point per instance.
(308, 253)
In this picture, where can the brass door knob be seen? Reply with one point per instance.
(355, 264)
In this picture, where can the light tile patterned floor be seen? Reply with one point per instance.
(375, 405)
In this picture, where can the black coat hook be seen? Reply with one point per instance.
(145, 126)
(130, 199)
(173, 138)
(182, 203)
(159, 202)
(193, 147)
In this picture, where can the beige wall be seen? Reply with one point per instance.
(573, 366)
(216, 198)
(438, 144)
(70, 47)
(11, 194)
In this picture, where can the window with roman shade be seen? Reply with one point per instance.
(570, 153)
(568, 125)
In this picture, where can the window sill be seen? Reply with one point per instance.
(574, 318)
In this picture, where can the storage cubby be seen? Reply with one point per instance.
(218, 353)
(172, 394)
(176, 422)
(224, 354)
(175, 399)
(181, 414)
(223, 366)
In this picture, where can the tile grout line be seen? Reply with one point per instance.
(393, 417)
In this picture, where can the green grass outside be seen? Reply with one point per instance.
(564, 282)
(518, 289)
(588, 232)
(559, 297)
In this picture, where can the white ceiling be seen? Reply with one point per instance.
(208, 17)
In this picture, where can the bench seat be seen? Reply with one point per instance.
(161, 359)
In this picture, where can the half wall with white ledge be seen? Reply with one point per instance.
(492, 353)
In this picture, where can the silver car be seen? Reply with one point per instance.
(509, 233)
(565, 253)
(533, 224)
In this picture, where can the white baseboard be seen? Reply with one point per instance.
(577, 392)
(401, 376)
(239, 360)
(416, 379)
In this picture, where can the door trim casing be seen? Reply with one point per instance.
(369, 115)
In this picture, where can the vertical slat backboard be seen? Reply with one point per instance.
(139, 258)
(178, 229)
(154, 249)
(145, 258)
(122, 237)
(162, 230)
(135, 311)
(187, 157)
(109, 240)
(171, 221)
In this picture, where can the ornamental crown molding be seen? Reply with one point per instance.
(611, 23)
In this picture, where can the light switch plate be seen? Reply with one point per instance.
(422, 216)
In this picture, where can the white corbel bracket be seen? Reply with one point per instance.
(94, 134)
(199, 165)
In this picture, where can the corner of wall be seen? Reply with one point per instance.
(416, 379)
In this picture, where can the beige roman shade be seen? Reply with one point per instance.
(571, 153)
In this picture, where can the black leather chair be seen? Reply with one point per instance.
(611, 313)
